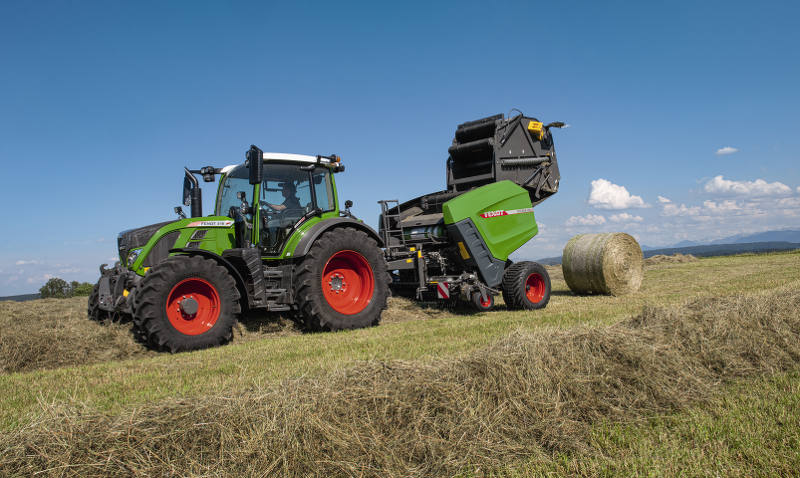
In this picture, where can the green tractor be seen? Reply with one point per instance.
(277, 241)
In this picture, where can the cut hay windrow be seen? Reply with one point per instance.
(607, 263)
(530, 395)
(676, 258)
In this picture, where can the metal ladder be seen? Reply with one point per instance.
(386, 233)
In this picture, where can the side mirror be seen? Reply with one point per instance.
(255, 161)
(192, 194)
(187, 187)
(348, 204)
(242, 196)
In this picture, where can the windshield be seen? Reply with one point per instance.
(235, 181)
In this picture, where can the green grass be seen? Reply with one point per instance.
(112, 385)
(748, 428)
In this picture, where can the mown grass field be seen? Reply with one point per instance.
(732, 420)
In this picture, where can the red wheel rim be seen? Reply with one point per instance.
(534, 288)
(487, 303)
(193, 306)
(347, 282)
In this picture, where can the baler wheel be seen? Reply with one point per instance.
(526, 285)
(186, 303)
(343, 282)
(94, 311)
(480, 304)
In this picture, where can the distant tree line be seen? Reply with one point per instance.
(56, 288)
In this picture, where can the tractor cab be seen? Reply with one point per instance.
(291, 189)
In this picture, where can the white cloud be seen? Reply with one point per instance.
(44, 278)
(726, 206)
(74, 270)
(670, 209)
(589, 220)
(719, 187)
(726, 150)
(604, 194)
(102, 240)
(662, 199)
(623, 217)
(20, 263)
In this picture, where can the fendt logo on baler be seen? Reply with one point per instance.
(487, 215)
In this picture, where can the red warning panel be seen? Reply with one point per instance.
(443, 290)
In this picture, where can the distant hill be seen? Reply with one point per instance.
(708, 250)
(771, 236)
(791, 234)
(21, 298)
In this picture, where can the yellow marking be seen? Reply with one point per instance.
(419, 254)
(535, 128)
(146, 269)
(413, 249)
(125, 293)
(464, 252)
(409, 260)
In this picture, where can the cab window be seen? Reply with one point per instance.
(235, 181)
(323, 190)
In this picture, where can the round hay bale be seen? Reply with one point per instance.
(608, 263)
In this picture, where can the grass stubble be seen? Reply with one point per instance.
(535, 401)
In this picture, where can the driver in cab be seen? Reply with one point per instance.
(291, 201)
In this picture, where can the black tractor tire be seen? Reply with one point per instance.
(343, 282)
(170, 321)
(526, 285)
(93, 310)
(480, 305)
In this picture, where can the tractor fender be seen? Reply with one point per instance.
(233, 271)
(323, 226)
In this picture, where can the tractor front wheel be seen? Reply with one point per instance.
(526, 285)
(186, 303)
(343, 282)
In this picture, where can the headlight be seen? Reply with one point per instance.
(132, 256)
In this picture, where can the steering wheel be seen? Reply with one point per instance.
(267, 213)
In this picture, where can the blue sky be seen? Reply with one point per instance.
(683, 114)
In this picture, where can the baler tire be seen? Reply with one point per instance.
(158, 317)
(356, 282)
(480, 305)
(526, 285)
(94, 311)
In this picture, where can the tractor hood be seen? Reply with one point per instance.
(136, 238)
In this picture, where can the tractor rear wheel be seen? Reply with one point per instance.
(526, 285)
(186, 303)
(343, 282)
(94, 311)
